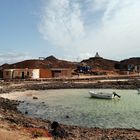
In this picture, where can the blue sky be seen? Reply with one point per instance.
(19, 35)
(69, 29)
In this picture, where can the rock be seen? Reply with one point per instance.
(67, 116)
(26, 112)
(55, 125)
(57, 131)
(35, 98)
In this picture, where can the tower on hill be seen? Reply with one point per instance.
(97, 55)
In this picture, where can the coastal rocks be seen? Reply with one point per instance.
(69, 83)
(7, 104)
(57, 130)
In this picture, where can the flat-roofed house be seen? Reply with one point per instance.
(21, 73)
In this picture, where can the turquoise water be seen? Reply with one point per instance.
(75, 107)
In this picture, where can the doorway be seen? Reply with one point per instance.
(23, 75)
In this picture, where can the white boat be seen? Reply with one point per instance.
(103, 95)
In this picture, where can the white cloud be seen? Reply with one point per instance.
(12, 57)
(64, 23)
(61, 22)
(99, 4)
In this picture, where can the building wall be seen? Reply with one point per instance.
(45, 73)
(66, 73)
(35, 73)
(61, 73)
(50, 73)
(20, 73)
(7, 74)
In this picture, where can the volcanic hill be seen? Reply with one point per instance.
(49, 62)
(100, 63)
(97, 63)
(131, 61)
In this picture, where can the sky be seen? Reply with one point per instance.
(69, 29)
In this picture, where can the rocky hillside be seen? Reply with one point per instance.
(100, 63)
(49, 62)
(131, 61)
(96, 63)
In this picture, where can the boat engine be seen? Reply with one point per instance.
(115, 94)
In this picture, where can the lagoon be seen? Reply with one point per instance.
(75, 107)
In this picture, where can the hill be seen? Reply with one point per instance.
(100, 63)
(134, 61)
(96, 63)
(49, 62)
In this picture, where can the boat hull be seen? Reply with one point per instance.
(101, 95)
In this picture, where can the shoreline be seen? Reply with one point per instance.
(10, 114)
(7, 87)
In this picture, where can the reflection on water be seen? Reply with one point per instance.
(75, 107)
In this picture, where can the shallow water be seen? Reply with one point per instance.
(75, 107)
